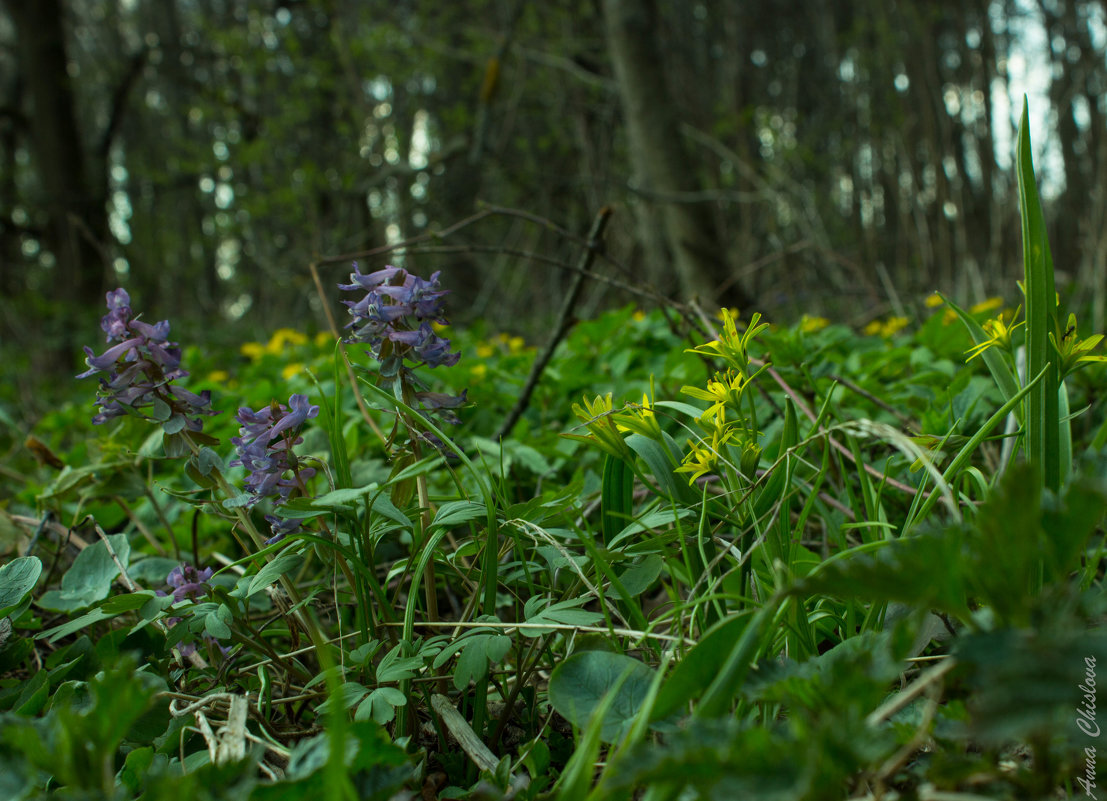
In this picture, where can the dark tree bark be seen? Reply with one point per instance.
(664, 171)
(74, 199)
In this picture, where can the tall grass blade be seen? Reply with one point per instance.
(1043, 416)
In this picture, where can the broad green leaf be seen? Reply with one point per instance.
(580, 683)
(217, 623)
(32, 697)
(17, 578)
(616, 496)
(637, 578)
(89, 578)
(662, 461)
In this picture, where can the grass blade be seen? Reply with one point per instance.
(1042, 418)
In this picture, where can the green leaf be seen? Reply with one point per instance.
(655, 520)
(662, 461)
(348, 694)
(89, 578)
(207, 461)
(580, 683)
(1043, 414)
(345, 500)
(453, 513)
(562, 613)
(217, 623)
(776, 485)
(638, 578)
(380, 705)
(32, 698)
(616, 496)
(78, 623)
(1026, 683)
(477, 652)
(287, 561)
(382, 505)
(394, 667)
(701, 664)
(118, 604)
(17, 579)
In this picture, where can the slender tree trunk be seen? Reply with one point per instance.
(662, 166)
(75, 201)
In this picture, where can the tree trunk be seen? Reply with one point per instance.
(75, 204)
(663, 169)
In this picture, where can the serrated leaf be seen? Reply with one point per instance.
(923, 570)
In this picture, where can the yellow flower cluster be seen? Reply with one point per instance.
(504, 343)
(279, 344)
(812, 325)
(606, 426)
(885, 328)
(724, 422)
(282, 338)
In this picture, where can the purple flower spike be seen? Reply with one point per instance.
(264, 447)
(394, 319)
(139, 367)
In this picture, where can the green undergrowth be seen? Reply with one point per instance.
(713, 558)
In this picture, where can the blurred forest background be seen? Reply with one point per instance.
(795, 156)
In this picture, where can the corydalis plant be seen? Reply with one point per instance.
(140, 369)
(264, 448)
(394, 319)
